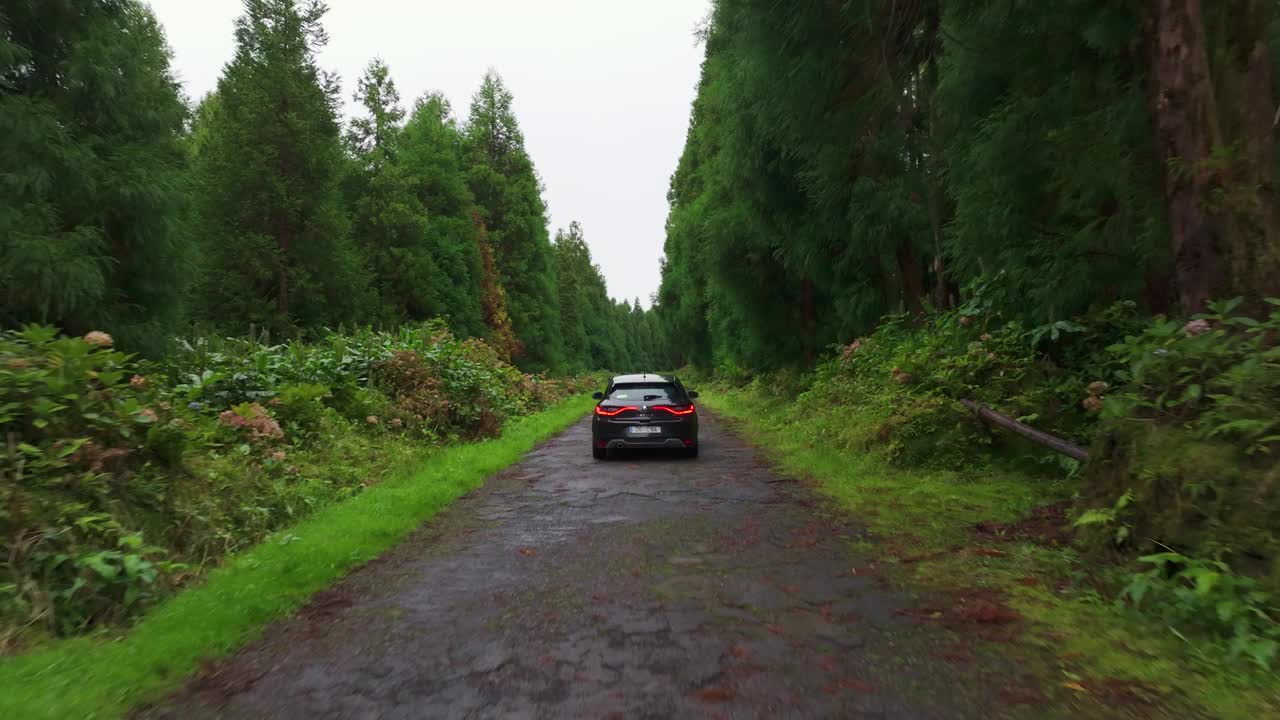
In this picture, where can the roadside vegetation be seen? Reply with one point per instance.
(125, 480)
(1149, 573)
(106, 676)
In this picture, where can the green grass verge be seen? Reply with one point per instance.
(1080, 643)
(93, 678)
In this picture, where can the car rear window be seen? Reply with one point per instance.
(648, 392)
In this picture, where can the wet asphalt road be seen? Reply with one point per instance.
(642, 587)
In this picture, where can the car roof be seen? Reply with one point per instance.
(642, 377)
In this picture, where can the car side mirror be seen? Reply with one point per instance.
(692, 395)
(597, 395)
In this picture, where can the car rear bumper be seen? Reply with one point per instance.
(629, 444)
(615, 435)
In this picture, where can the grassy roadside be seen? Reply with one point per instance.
(92, 678)
(1094, 657)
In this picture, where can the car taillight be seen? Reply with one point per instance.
(615, 411)
(678, 409)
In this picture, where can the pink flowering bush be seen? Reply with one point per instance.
(252, 421)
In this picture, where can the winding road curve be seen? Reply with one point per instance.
(643, 587)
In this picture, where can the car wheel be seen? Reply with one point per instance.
(599, 453)
(691, 452)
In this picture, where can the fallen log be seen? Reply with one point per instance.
(1057, 444)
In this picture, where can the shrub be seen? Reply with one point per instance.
(1190, 437)
(1206, 596)
(300, 408)
(415, 391)
(167, 442)
(1220, 372)
(933, 432)
(252, 422)
(119, 479)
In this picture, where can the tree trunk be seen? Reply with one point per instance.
(282, 229)
(1255, 263)
(1158, 293)
(932, 165)
(808, 324)
(1182, 96)
(282, 283)
(912, 279)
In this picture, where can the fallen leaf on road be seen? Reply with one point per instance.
(987, 613)
(919, 613)
(855, 685)
(715, 694)
(527, 552)
(1074, 686)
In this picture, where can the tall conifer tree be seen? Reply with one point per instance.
(430, 159)
(509, 194)
(269, 164)
(92, 221)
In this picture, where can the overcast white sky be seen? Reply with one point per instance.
(602, 91)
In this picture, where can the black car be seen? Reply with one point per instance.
(644, 411)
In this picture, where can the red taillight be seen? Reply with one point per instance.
(677, 410)
(615, 411)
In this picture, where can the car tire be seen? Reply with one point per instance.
(691, 452)
(599, 453)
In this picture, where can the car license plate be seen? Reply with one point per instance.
(645, 430)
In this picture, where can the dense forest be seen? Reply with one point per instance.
(129, 211)
(849, 161)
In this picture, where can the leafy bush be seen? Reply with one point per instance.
(300, 408)
(415, 391)
(120, 479)
(934, 433)
(1189, 436)
(901, 385)
(1205, 596)
(1220, 372)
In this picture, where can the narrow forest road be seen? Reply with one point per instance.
(642, 587)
